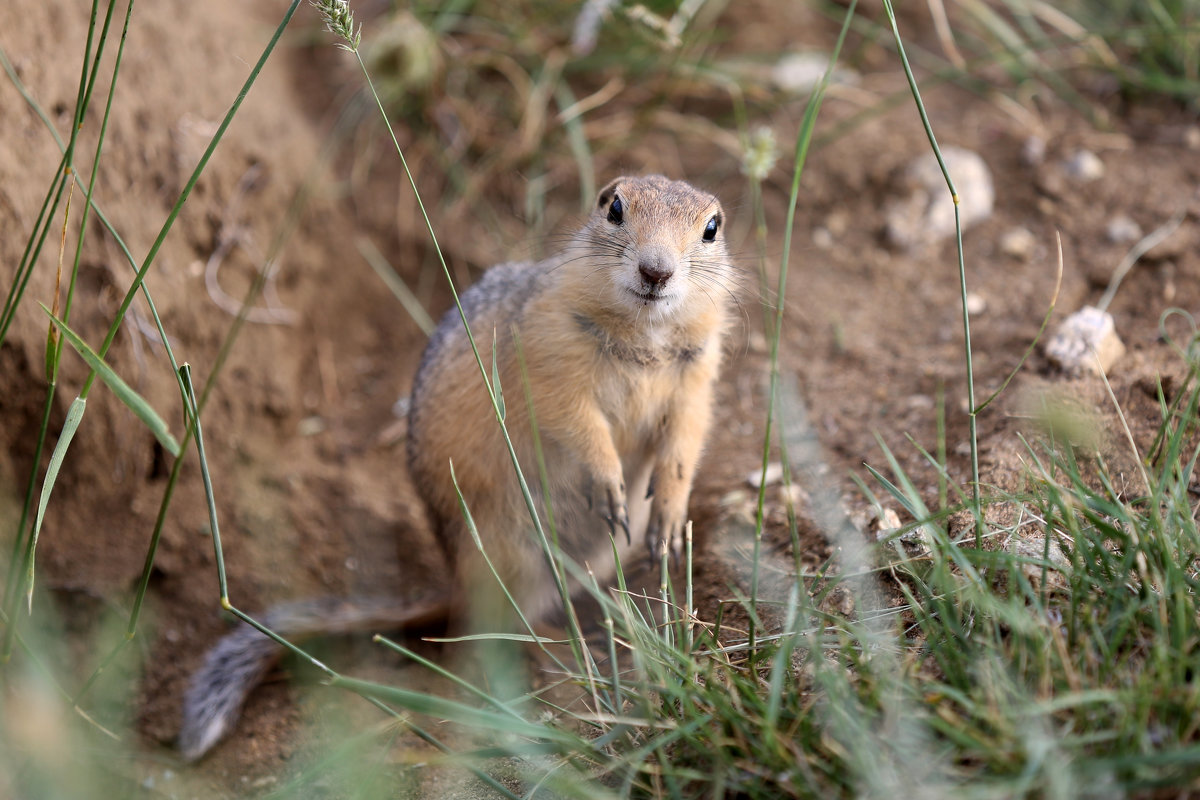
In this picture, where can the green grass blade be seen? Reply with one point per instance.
(525, 638)
(462, 683)
(74, 416)
(578, 142)
(422, 703)
(913, 505)
(387, 273)
(124, 392)
(496, 380)
(803, 142)
(197, 432)
(96, 157)
(340, 22)
(962, 272)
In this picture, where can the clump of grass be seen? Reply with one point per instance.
(1086, 649)
(1157, 43)
(1151, 48)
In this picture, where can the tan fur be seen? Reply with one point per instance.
(621, 336)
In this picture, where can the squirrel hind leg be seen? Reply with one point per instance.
(217, 691)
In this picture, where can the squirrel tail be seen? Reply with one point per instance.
(241, 659)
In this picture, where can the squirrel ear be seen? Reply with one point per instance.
(606, 194)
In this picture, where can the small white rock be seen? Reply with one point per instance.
(1086, 341)
(822, 238)
(838, 222)
(735, 499)
(774, 475)
(800, 72)
(1035, 546)
(310, 426)
(1085, 166)
(919, 402)
(793, 494)
(1122, 228)
(1191, 137)
(976, 303)
(926, 213)
(887, 523)
(1033, 151)
(1018, 243)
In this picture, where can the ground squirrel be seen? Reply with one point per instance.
(621, 340)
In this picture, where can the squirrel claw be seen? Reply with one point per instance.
(617, 515)
(663, 539)
(613, 509)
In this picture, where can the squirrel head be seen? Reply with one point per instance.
(657, 245)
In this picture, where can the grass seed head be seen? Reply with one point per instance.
(339, 21)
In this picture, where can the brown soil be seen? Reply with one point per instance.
(307, 456)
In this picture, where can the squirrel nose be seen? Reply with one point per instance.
(655, 268)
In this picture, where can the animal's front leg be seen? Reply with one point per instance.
(588, 441)
(677, 456)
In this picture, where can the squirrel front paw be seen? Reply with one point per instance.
(608, 498)
(665, 532)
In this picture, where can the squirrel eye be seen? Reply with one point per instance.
(710, 230)
(616, 212)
